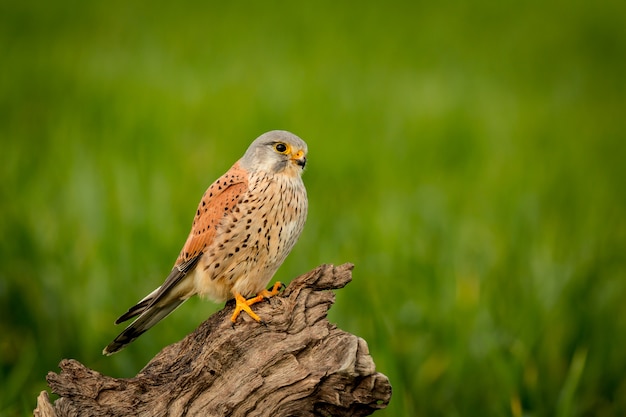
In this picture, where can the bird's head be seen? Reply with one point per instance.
(276, 152)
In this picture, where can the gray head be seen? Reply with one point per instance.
(276, 152)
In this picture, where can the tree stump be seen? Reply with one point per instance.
(298, 364)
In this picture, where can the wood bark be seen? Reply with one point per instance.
(298, 364)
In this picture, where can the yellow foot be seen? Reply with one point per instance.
(244, 305)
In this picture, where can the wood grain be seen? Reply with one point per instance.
(298, 364)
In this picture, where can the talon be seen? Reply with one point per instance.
(241, 304)
(275, 289)
(244, 305)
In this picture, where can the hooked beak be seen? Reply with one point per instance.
(299, 159)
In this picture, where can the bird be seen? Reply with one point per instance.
(245, 225)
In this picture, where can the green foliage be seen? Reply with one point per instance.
(468, 158)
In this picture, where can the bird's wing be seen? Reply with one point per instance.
(177, 273)
(152, 309)
(218, 201)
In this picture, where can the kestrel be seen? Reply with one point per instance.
(246, 224)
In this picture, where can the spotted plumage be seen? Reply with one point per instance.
(245, 225)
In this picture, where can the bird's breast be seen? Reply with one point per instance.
(254, 238)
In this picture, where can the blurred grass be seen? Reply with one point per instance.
(468, 158)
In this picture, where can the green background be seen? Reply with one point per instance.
(468, 157)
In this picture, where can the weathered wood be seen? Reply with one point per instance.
(299, 364)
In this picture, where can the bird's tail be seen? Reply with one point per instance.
(148, 318)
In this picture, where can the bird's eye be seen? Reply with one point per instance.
(281, 148)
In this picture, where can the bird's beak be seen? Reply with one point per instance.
(299, 158)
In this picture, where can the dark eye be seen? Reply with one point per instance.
(280, 147)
